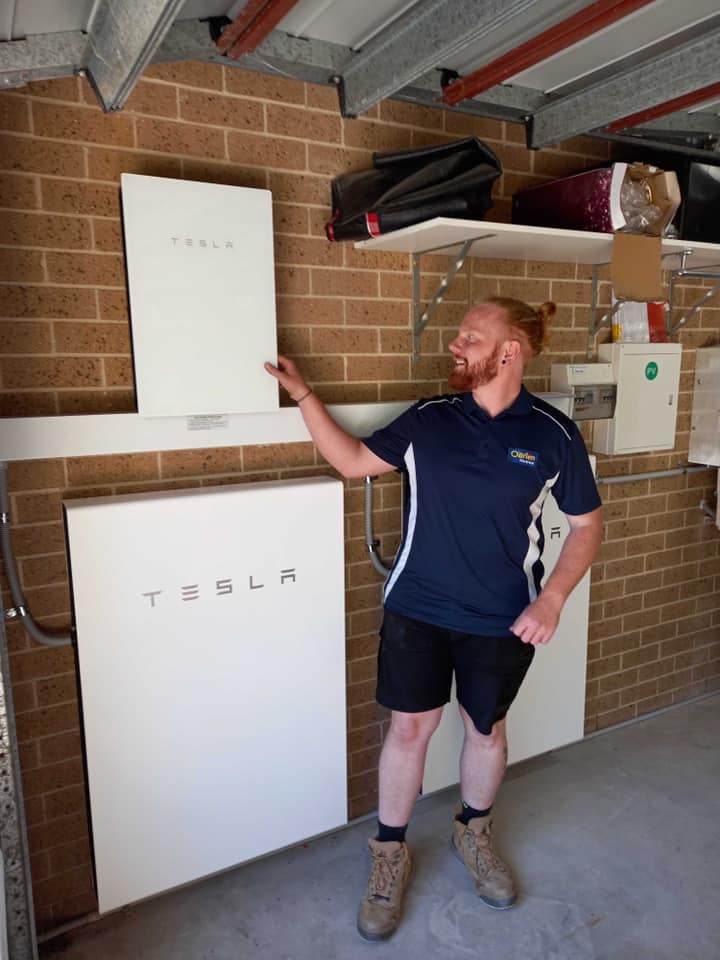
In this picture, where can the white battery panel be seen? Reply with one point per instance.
(201, 282)
(211, 650)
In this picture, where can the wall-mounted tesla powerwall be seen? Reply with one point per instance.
(211, 651)
(201, 280)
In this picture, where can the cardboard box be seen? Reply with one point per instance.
(635, 271)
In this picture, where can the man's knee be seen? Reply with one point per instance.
(495, 740)
(414, 728)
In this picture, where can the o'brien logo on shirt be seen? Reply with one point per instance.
(528, 458)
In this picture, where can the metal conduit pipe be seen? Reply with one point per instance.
(674, 472)
(20, 612)
(370, 541)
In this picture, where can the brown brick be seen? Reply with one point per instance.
(50, 372)
(375, 312)
(61, 88)
(18, 191)
(300, 188)
(81, 124)
(94, 338)
(303, 123)
(344, 341)
(344, 283)
(60, 746)
(263, 86)
(80, 197)
(154, 99)
(42, 571)
(378, 368)
(188, 73)
(70, 855)
(50, 302)
(107, 236)
(96, 269)
(107, 164)
(18, 337)
(619, 644)
(258, 150)
(307, 251)
(55, 776)
(176, 138)
(38, 723)
(21, 266)
(45, 230)
(41, 156)
(624, 568)
(65, 819)
(617, 681)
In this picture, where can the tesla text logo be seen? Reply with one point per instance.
(528, 458)
(219, 588)
(204, 244)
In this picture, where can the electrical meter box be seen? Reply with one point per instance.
(648, 380)
(590, 385)
(705, 422)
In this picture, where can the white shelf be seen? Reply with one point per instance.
(517, 242)
(38, 438)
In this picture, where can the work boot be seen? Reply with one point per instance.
(381, 907)
(473, 844)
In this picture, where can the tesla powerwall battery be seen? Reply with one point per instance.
(201, 281)
(210, 637)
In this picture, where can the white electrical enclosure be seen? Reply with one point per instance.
(705, 421)
(200, 271)
(211, 650)
(648, 382)
(549, 710)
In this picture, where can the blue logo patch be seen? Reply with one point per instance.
(529, 458)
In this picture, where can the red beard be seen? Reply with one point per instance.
(478, 375)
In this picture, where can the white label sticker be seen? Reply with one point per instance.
(208, 421)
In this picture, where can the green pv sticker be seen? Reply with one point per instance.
(651, 370)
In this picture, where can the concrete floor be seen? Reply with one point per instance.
(615, 843)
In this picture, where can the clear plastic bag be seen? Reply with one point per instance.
(636, 205)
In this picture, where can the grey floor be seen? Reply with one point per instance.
(615, 843)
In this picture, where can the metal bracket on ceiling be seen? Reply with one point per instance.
(421, 317)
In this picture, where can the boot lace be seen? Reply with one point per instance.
(385, 870)
(482, 854)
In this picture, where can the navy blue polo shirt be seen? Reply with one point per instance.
(471, 556)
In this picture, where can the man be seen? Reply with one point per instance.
(464, 594)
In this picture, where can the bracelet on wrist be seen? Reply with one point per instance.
(304, 396)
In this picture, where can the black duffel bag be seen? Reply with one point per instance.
(409, 186)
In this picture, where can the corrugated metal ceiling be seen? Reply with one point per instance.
(646, 68)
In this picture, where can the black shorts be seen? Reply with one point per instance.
(416, 662)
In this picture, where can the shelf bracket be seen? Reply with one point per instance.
(420, 318)
(710, 272)
(596, 323)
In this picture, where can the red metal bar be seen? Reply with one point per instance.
(558, 37)
(663, 109)
(251, 26)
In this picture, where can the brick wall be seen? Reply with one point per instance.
(64, 348)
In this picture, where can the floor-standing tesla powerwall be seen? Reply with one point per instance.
(210, 633)
(201, 282)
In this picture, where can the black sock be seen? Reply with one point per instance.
(468, 813)
(391, 833)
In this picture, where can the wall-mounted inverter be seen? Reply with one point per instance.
(200, 272)
(211, 657)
